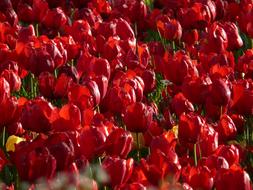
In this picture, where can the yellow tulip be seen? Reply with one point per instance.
(11, 141)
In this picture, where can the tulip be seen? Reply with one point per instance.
(190, 126)
(165, 143)
(217, 38)
(232, 179)
(178, 67)
(13, 80)
(160, 167)
(119, 170)
(199, 177)
(95, 138)
(226, 128)
(169, 29)
(37, 115)
(230, 153)
(208, 141)
(180, 104)
(138, 117)
(36, 158)
(68, 119)
(61, 147)
(54, 18)
(46, 82)
(118, 143)
(234, 39)
(220, 92)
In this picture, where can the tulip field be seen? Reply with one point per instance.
(126, 94)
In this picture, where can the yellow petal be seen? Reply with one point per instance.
(175, 130)
(11, 141)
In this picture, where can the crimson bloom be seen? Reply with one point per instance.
(232, 179)
(36, 158)
(169, 29)
(189, 128)
(138, 117)
(118, 143)
(37, 115)
(119, 170)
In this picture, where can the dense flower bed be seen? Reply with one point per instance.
(126, 94)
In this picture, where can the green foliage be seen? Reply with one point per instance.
(161, 85)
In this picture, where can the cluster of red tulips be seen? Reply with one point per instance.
(126, 94)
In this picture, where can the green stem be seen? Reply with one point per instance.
(195, 154)
(17, 181)
(3, 136)
(138, 146)
(173, 46)
(200, 154)
(162, 40)
(31, 86)
(37, 30)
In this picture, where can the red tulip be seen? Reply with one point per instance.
(119, 170)
(4, 90)
(80, 30)
(8, 111)
(199, 15)
(93, 137)
(169, 29)
(87, 14)
(148, 77)
(239, 122)
(138, 117)
(153, 131)
(230, 153)
(216, 162)
(37, 115)
(62, 86)
(46, 82)
(245, 19)
(226, 128)
(70, 71)
(180, 104)
(15, 129)
(220, 92)
(13, 79)
(208, 141)
(196, 89)
(189, 128)
(160, 167)
(234, 39)
(3, 160)
(67, 119)
(54, 18)
(217, 38)
(165, 143)
(85, 96)
(118, 98)
(178, 67)
(62, 149)
(118, 143)
(245, 63)
(199, 177)
(242, 99)
(190, 37)
(35, 158)
(232, 179)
